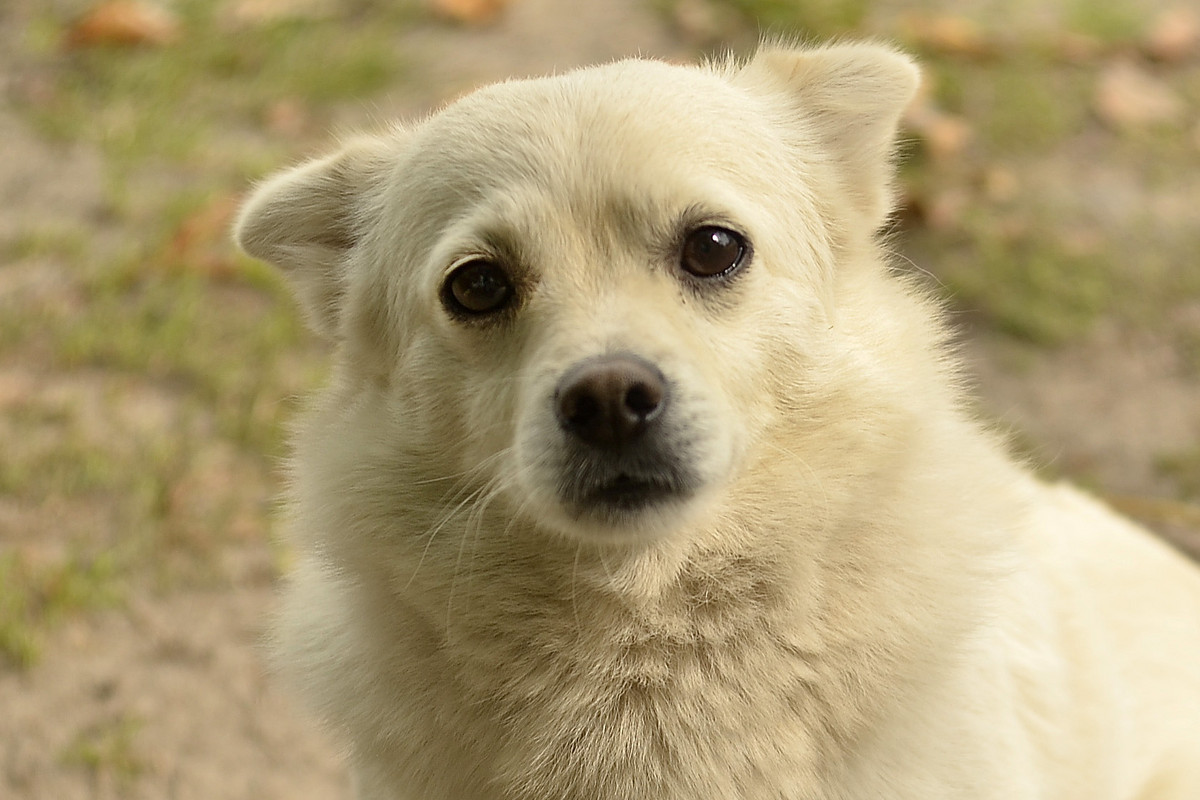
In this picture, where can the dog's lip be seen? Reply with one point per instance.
(617, 487)
(630, 493)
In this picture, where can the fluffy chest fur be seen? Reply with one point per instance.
(706, 687)
(555, 686)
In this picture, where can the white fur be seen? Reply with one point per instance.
(864, 599)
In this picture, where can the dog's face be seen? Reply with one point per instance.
(594, 294)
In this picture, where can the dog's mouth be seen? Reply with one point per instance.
(592, 491)
(629, 493)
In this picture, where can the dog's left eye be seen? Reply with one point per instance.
(710, 251)
(477, 287)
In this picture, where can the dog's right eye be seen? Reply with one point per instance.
(476, 288)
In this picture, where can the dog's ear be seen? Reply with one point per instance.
(306, 219)
(851, 97)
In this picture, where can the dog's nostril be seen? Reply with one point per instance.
(579, 408)
(609, 401)
(642, 399)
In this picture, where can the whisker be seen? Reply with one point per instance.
(436, 528)
(574, 590)
(456, 499)
(472, 529)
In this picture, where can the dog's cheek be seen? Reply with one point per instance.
(537, 439)
(482, 419)
(479, 414)
(702, 431)
(736, 378)
(428, 395)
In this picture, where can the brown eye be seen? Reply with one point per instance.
(477, 287)
(709, 251)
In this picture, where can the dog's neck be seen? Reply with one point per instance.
(589, 650)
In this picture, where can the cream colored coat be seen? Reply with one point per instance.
(865, 599)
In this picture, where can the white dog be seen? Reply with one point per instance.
(642, 477)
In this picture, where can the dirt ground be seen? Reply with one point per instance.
(164, 695)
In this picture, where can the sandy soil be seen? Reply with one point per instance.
(176, 677)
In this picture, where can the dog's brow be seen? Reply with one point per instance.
(506, 244)
(621, 219)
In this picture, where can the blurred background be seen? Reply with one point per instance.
(1051, 173)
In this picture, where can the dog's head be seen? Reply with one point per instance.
(593, 294)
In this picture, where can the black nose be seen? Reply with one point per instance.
(610, 401)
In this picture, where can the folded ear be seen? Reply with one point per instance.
(851, 97)
(306, 219)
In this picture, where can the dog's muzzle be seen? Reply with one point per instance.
(615, 412)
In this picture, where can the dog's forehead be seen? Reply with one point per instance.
(618, 121)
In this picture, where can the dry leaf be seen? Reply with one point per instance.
(124, 23)
(937, 208)
(287, 117)
(201, 242)
(1077, 48)
(950, 35)
(944, 211)
(703, 22)
(1082, 242)
(945, 136)
(1174, 35)
(1000, 185)
(1127, 96)
(468, 12)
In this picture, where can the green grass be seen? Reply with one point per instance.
(1109, 21)
(108, 748)
(49, 241)
(1183, 469)
(62, 467)
(195, 327)
(1027, 106)
(211, 348)
(34, 596)
(167, 102)
(217, 343)
(1026, 284)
